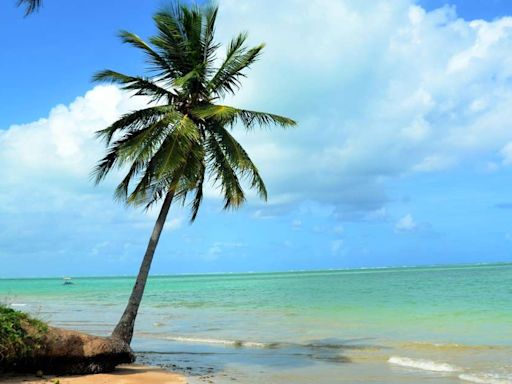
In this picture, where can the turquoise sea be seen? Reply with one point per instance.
(450, 324)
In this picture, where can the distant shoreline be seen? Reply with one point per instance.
(252, 273)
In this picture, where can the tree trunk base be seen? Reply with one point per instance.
(71, 353)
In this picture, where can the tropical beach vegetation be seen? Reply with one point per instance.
(30, 345)
(20, 335)
(182, 138)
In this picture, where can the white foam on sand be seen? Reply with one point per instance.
(486, 378)
(425, 365)
(233, 343)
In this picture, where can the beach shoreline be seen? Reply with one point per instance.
(387, 326)
(124, 374)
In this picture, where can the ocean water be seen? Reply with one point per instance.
(398, 325)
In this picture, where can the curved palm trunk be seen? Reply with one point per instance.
(124, 328)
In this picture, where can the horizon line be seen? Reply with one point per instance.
(449, 265)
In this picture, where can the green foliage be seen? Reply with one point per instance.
(182, 138)
(20, 335)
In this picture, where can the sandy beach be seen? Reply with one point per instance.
(127, 374)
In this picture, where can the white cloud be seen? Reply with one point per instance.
(406, 224)
(262, 215)
(62, 146)
(487, 36)
(377, 214)
(433, 163)
(380, 88)
(336, 246)
(506, 153)
(213, 253)
(50, 160)
(296, 224)
(219, 249)
(173, 224)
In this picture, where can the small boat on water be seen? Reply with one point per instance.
(67, 281)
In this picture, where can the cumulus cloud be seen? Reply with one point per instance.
(406, 224)
(49, 208)
(380, 88)
(59, 151)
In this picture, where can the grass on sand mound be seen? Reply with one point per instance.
(20, 335)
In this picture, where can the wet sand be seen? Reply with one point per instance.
(125, 374)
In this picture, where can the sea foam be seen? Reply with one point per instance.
(233, 343)
(486, 378)
(425, 365)
(421, 345)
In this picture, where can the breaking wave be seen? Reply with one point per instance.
(425, 365)
(232, 343)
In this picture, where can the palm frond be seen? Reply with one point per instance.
(134, 121)
(142, 86)
(136, 145)
(30, 5)
(104, 166)
(252, 118)
(231, 115)
(198, 196)
(193, 76)
(239, 159)
(208, 45)
(181, 180)
(192, 23)
(163, 68)
(184, 136)
(140, 145)
(224, 174)
(227, 79)
(130, 148)
(171, 40)
(121, 191)
(235, 47)
(163, 164)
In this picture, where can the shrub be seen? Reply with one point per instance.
(20, 336)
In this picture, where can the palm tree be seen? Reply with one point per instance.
(30, 5)
(182, 138)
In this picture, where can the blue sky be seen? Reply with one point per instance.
(402, 155)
